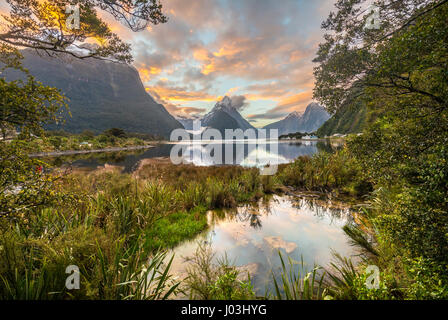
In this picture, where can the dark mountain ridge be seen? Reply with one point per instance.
(314, 116)
(102, 94)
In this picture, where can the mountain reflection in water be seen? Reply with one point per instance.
(286, 151)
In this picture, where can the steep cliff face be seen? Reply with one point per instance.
(309, 121)
(102, 95)
(348, 119)
(314, 117)
(288, 125)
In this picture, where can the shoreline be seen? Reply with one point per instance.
(72, 152)
(316, 139)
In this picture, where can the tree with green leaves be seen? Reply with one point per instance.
(399, 71)
(26, 105)
(42, 25)
(354, 58)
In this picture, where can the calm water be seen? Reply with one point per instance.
(252, 235)
(285, 152)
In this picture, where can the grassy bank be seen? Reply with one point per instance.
(112, 225)
(401, 226)
(57, 141)
(109, 224)
(332, 173)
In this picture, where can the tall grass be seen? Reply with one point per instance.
(294, 284)
(114, 227)
(109, 268)
(326, 172)
(342, 278)
(130, 274)
(215, 279)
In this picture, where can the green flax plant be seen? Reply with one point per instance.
(295, 284)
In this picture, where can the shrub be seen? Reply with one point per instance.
(215, 280)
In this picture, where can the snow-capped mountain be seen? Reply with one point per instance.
(225, 116)
(309, 121)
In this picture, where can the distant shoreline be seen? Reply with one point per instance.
(72, 152)
(116, 149)
(315, 139)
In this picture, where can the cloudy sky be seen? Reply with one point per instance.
(259, 51)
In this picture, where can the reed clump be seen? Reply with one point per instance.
(116, 228)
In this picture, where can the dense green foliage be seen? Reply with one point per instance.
(52, 141)
(215, 279)
(25, 105)
(337, 173)
(400, 72)
(112, 225)
(42, 25)
(109, 223)
(351, 118)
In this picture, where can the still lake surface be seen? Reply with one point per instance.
(283, 152)
(305, 229)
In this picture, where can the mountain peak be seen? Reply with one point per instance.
(315, 105)
(295, 114)
(226, 100)
(216, 116)
(225, 103)
(310, 120)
